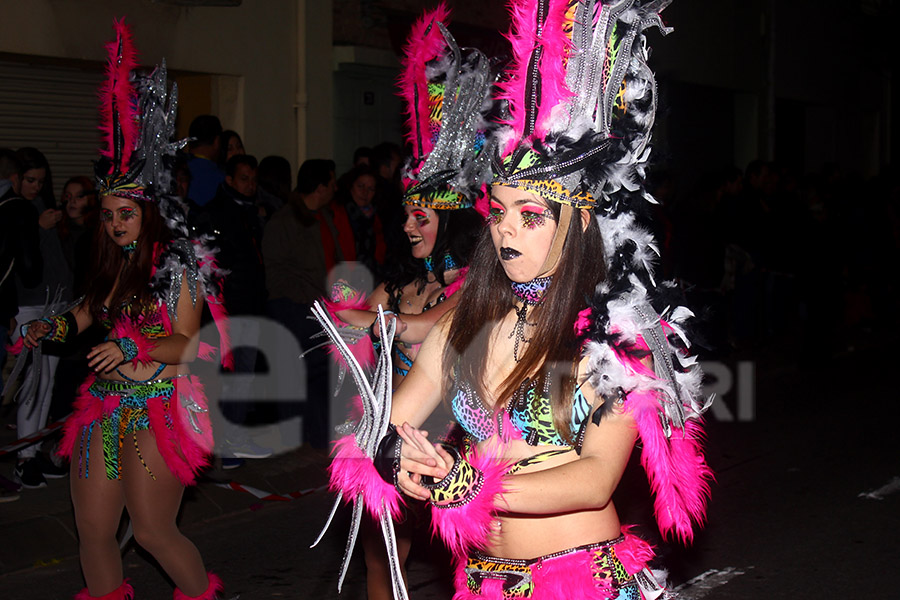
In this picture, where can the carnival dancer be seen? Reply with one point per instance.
(446, 93)
(140, 431)
(556, 362)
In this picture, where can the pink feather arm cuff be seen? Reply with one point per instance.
(344, 297)
(143, 346)
(465, 522)
(353, 473)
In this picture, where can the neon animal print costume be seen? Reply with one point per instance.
(580, 106)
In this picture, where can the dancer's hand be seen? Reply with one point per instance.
(388, 317)
(105, 357)
(36, 330)
(419, 457)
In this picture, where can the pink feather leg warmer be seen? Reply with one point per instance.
(123, 592)
(212, 591)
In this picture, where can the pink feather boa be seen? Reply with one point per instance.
(425, 42)
(556, 44)
(469, 526)
(352, 472)
(123, 592)
(678, 473)
(212, 591)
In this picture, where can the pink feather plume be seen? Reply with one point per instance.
(118, 97)
(425, 42)
(526, 36)
(678, 473)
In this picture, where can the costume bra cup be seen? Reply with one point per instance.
(530, 414)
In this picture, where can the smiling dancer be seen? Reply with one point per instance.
(444, 178)
(556, 362)
(140, 431)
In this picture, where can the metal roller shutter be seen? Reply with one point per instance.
(54, 109)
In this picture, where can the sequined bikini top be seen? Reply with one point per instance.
(530, 412)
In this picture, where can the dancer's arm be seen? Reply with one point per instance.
(38, 329)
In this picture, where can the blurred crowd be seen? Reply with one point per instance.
(768, 255)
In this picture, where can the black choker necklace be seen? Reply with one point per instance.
(531, 293)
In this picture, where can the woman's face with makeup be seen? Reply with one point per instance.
(522, 228)
(421, 227)
(121, 219)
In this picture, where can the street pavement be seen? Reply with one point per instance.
(789, 515)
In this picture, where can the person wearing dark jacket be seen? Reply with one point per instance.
(20, 245)
(232, 219)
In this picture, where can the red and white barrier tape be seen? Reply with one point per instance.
(264, 495)
(33, 438)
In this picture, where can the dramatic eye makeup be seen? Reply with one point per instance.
(125, 214)
(421, 217)
(534, 216)
(495, 213)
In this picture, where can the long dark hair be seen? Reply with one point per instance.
(553, 351)
(457, 235)
(109, 263)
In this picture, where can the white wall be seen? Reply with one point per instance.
(255, 44)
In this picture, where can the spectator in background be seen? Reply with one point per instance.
(362, 156)
(230, 144)
(296, 264)
(274, 184)
(182, 178)
(79, 219)
(51, 294)
(20, 257)
(206, 175)
(20, 250)
(386, 159)
(357, 195)
(232, 219)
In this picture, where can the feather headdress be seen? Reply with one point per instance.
(137, 122)
(446, 92)
(581, 102)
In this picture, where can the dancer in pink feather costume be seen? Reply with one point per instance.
(140, 431)
(564, 353)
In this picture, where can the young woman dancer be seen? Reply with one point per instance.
(140, 431)
(443, 180)
(555, 361)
